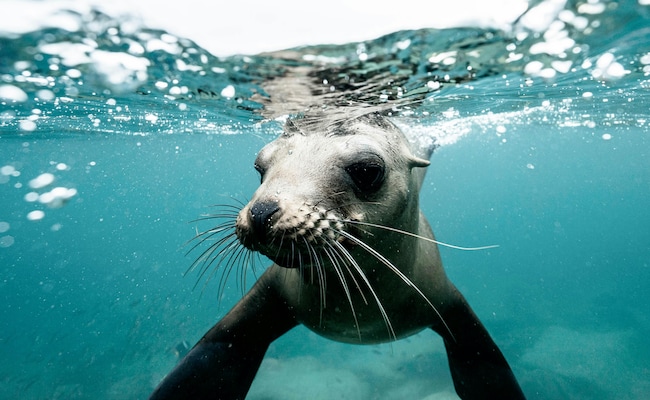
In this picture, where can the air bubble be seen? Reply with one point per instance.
(35, 215)
(7, 241)
(12, 93)
(41, 181)
(228, 91)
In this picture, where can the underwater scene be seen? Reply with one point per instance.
(116, 138)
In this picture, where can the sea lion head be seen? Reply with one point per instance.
(320, 183)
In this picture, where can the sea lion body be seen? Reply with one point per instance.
(327, 189)
(355, 261)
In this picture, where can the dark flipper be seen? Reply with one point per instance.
(224, 362)
(211, 371)
(478, 368)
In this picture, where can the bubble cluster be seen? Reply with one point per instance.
(42, 190)
(555, 30)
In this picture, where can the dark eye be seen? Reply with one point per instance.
(368, 176)
(260, 170)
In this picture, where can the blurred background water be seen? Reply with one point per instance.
(114, 136)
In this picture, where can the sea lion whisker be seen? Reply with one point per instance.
(207, 235)
(207, 253)
(224, 254)
(240, 204)
(332, 254)
(237, 260)
(215, 229)
(316, 262)
(203, 237)
(224, 215)
(322, 278)
(226, 249)
(240, 260)
(230, 257)
(226, 222)
(330, 196)
(346, 258)
(322, 285)
(334, 258)
(230, 224)
(247, 265)
(312, 259)
(364, 278)
(279, 246)
(291, 258)
(397, 272)
(220, 259)
(203, 258)
(452, 246)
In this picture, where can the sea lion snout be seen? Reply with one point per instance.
(255, 222)
(289, 233)
(261, 217)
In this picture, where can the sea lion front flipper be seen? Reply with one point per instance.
(478, 368)
(224, 362)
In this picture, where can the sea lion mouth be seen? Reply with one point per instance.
(307, 255)
(306, 249)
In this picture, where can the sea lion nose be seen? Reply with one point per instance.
(261, 215)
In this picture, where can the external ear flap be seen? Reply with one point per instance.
(416, 162)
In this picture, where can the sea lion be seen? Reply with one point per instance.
(355, 260)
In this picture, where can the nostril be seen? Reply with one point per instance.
(261, 214)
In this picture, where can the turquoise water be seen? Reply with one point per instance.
(546, 155)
